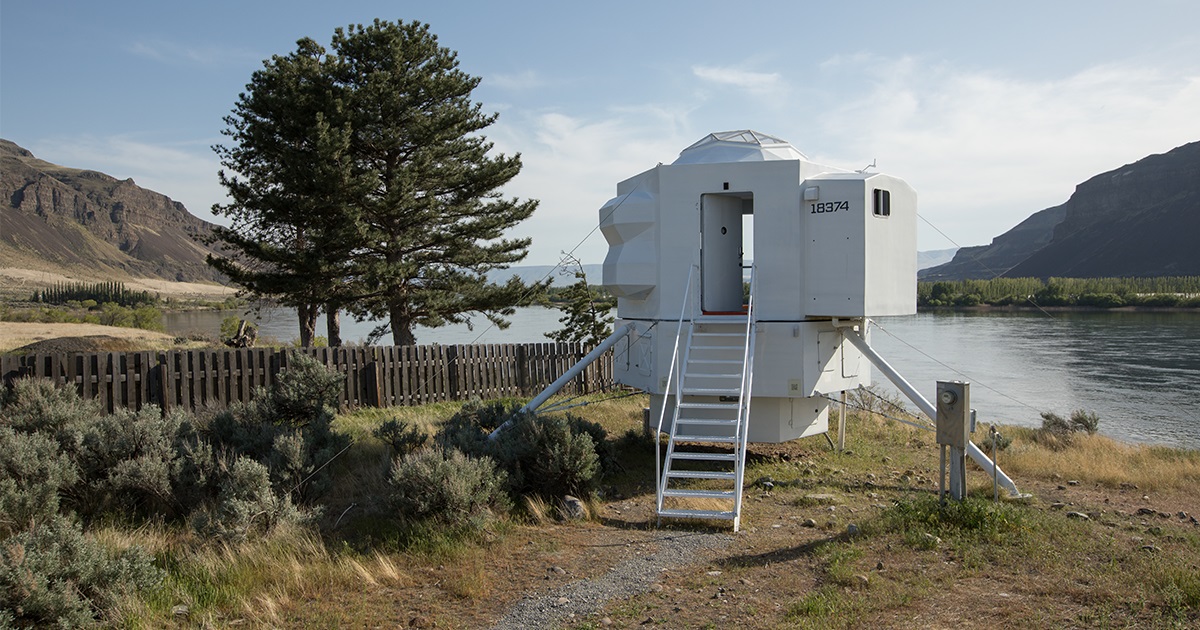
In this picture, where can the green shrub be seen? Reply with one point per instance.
(605, 451)
(974, 520)
(401, 436)
(1160, 299)
(35, 405)
(128, 462)
(53, 574)
(997, 441)
(32, 473)
(462, 432)
(287, 428)
(1056, 432)
(1100, 300)
(1085, 421)
(246, 505)
(543, 457)
(487, 415)
(304, 390)
(447, 487)
(549, 456)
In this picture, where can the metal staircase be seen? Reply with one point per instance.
(703, 472)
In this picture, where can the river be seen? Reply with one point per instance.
(1139, 371)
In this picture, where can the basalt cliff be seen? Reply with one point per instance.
(91, 226)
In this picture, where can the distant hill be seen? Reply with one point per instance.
(935, 257)
(536, 273)
(1004, 253)
(1142, 219)
(92, 226)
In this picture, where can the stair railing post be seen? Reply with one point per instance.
(744, 397)
(672, 376)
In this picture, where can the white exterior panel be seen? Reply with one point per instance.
(822, 249)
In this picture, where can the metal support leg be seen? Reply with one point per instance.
(842, 423)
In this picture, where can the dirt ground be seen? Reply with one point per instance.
(780, 557)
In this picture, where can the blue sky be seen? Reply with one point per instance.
(991, 112)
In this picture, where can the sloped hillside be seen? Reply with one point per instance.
(90, 225)
(1004, 252)
(1142, 219)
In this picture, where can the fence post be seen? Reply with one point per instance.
(523, 369)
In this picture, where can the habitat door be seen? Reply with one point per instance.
(721, 250)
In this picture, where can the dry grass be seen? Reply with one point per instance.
(21, 282)
(537, 510)
(1103, 460)
(17, 334)
(1059, 571)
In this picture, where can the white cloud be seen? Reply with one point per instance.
(520, 81)
(737, 77)
(572, 165)
(985, 151)
(206, 55)
(185, 173)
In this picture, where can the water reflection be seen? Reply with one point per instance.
(1139, 371)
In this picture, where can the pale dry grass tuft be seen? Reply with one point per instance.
(265, 608)
(362, 571)
(387, 571)
(537, 509)
(377, 569)
(1103, 460)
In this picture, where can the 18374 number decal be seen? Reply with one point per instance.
(829, 206)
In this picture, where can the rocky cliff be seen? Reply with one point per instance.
(1005, 251)
(1142, 219)
(93, 225)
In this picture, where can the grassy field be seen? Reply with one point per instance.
(1107, 539)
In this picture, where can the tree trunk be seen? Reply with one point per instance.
(333, 326)
(308, 324)
(402, 334)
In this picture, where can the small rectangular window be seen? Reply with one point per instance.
(883, 203)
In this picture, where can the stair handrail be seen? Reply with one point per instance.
(744, 397)
(672, 376)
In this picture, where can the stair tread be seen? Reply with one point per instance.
(700, 494)
(678, 513)
(714, 375)
(716, 439)
(711, 457)
(708, 421)
(715, 391)
(692, 360)
(708, 405)
(702, 474)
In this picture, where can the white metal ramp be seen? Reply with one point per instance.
(703, 471)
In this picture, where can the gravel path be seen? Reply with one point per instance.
(631, 576)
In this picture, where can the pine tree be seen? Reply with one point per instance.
(290, 183)
(360, 179)
(586, 317)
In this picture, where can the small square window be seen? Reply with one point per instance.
(883, 203)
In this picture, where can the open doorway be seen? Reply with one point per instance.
(726, 241)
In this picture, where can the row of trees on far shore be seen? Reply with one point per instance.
(359, 181)
(1178, 291)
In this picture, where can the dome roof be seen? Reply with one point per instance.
(742, 145)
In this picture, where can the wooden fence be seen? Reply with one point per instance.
(375, 376)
